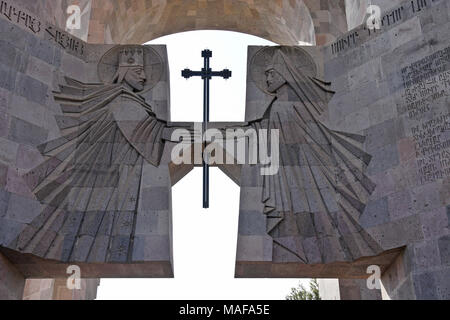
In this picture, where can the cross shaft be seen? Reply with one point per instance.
(206, 74)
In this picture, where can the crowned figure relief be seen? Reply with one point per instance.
(92, 173)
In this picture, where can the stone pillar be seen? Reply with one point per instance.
(356, 289)
(56, 289)
(38, 289)
(347, 289)
(329, 289)
(12, 282)
(396, 281)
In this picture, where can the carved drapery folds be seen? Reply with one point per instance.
(91, 177)
(312, 205)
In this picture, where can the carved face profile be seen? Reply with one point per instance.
(274, 80)
(269, 58)
(139, 68)
(131, 71)
(135, 77)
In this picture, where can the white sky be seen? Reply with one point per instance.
(204, 240)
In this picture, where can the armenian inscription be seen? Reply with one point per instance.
(391, 18)
(426, 82)
(20, 17)
(66, 41)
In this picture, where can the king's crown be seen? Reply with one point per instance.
(131, 57)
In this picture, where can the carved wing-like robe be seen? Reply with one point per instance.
(91, 178)
(314, 202)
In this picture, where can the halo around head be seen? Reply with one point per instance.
(153, 64)
(263, 60)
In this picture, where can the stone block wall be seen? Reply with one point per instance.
(393, 86)
(356, 10)
(35, 58)
(56, 289)
(12, 281)
(32, 64)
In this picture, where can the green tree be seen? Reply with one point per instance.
(301, 293)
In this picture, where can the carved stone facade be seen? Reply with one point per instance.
(285, 22)
(395, 90)
(308, 213)
(365, 123)
(38, 73)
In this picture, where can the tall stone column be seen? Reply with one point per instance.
(356, 289)
(347, 289)
(56, 289)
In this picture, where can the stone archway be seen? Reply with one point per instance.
(286, 22)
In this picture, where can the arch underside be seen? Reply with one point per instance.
(286, 22)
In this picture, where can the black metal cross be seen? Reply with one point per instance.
(206, 75)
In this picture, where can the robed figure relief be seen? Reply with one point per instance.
(92, 174)
(314, 201)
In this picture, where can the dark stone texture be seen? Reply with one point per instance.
(443, 283)
(156, 198)
(7, 78)
(119, 249)
(27, 133)
(123, 224)
(382, 134)
(82, 247)
(13, 35)
(252, 223)
(444, 249)
(151, 248)
(91, 223)
(41, 49)
(448, 215)
(376, 213)
(9, 230)
(425, 286)
(383, 159)
(4, 200)
(32, 89)
(22, 209)
(12, 282)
